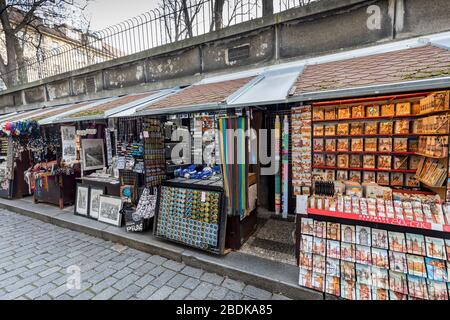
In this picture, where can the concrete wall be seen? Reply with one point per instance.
(325, 26)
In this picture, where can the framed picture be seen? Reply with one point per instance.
(94, 201)
(109, 210)
(81, 202)
(93, 154)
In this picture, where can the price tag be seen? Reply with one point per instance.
(203, 196)
(146, 134)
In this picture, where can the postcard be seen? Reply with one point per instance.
(333, 231)
(330, 114)
(396, 179)
(395, 296)
(319, 264)
(330, 145)
(436, 269)
(319, 246)
(342, 129)
(368, 176)
(305, 278)
(383, 178)
(415, 244)
(333, 285)
(347, 252)
(357, 145)
(348, 289)
(435, 248)
(356, 128)
(398, 282)
(363, 235)
(416, 265)
(373, 111)
(342, 145)
(386, 127)
(320, 229)
(348, 270)
(380, 278)
(370, 144)
(380, 294)
(318, 281)
(397, 261)
(333, 249)
(348, 233)
(397, 241)
(380, 239)
(355, 176)
(363, 291)
(371, 128)
(355, 161)
(318, 145)
(330, 130)
(330, 160)
(305, 260)
(380, 258)
(363, 255)
(437, 290)
(369, 161)
(307, 226)
(306, 243)
(364, 274)
(417, 287)
(341, 175)
(333, 267)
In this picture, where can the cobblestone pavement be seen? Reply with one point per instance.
(37, 259)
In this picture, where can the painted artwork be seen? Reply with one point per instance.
(94, 202)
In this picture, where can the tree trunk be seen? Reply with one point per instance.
(267, 7)
(218, 15)
(187, 18)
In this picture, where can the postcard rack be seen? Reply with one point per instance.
(191, 212)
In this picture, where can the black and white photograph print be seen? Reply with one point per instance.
(109, 210)
(93, 154)
(68, 133)
(81, 205)
(94, 202)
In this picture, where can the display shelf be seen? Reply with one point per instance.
(433, 113)
(394, 153)
(364, 169)
(430, 156)
(411, 116)
(380, 220)
(379, 135)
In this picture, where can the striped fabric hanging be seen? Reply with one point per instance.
(277, 165)
(233, 158)
(285, 165)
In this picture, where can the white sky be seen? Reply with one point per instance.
(104, 13)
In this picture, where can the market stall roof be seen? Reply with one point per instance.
(207, 94)
(21, 116)
(107, 107)
(273, 87)
(130, 112)
(419, 68)
(60, 113)
(7, 115)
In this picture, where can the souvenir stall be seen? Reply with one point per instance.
(199, 198)
(20, 140)
(89, 145)
(374, 217)
(51, 176)
(193, 184)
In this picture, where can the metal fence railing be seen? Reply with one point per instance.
(172, 21)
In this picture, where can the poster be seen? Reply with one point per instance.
(69, 149)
